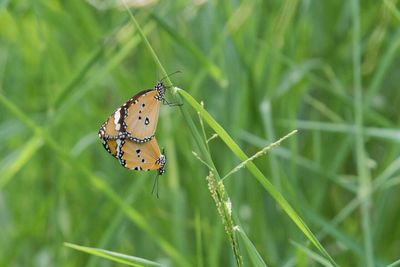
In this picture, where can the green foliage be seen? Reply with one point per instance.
(262, 69)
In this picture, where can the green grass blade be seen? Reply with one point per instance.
(391, 134)
(258, 154)
(27, 152)
(254, 256)
(390, 4)
(393, 264)
(362, 171)
(311, 254)
(114, 256)
(384, 65)
(13, 109)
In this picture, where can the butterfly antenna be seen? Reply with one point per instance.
(168, 75)
(155, 186)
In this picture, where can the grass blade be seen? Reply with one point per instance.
(114, 256)
(28, 151)
(254, 256)
(362, 171)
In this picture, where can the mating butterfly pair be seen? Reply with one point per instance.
(128, 134)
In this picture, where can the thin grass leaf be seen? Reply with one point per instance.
(384, 65)
(384, 133)
(390, 4)
(254, 256)
(258, 154)
(386, 174)
(108, 235)
(323, 109)
(394, 181)
(114, 256)
(311, 254)
(23, 157)
(13, 109)
(362, 171)
(393, 264)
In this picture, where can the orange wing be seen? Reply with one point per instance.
(115, 124)
(137, 156)
(111, 146)
(108, 129)
(142, 116)
(136, 119)
(111, 127)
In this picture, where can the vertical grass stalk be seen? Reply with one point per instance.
(224, 207)
(363, 173)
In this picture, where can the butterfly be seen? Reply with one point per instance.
(137, 156)
(136, 120)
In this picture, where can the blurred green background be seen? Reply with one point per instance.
(262, 68)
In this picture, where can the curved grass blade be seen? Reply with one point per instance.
(311, 254)
(114, 256)
(254, 256)
(396, 263)
(27, 152)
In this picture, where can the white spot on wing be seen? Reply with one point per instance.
(117, 116)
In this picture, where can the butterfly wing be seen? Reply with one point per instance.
(137, 118)
(142, 116)
(141, 156)
(112, 126)
(110, 145)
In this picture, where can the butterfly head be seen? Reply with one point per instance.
(160, 88)
(162, 161)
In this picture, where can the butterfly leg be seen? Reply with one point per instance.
(176, 104)
(155, 186)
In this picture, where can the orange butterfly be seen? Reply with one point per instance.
(136, 156)
(136, 120)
